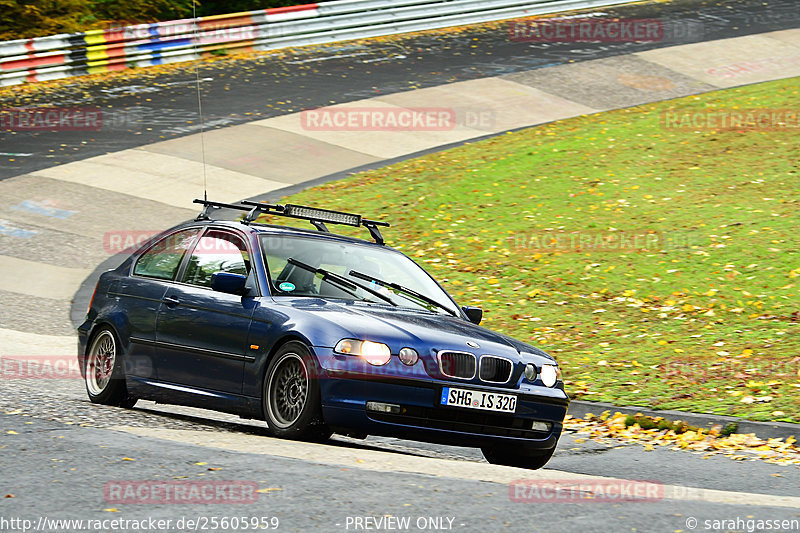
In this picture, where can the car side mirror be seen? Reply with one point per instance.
(228, 282)
(474, 314)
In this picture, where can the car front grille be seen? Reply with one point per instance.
(460, 365)
(495, 369)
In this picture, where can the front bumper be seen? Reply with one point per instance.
(422, 417)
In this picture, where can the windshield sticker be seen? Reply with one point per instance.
(286, 286)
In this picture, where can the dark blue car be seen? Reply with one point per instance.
(315, 333)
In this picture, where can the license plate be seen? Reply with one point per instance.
(472, 399)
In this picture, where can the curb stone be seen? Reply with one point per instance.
(770, 430)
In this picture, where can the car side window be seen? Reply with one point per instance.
(216, 251)
(161, 261)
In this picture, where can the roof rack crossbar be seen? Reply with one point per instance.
(252, 210)
(372, 226)
(318, 217)
(364, 222)
(320, 226)
(209, 205)
(375, 232)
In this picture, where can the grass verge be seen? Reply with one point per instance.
(696, 305)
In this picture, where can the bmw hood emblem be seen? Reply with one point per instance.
(473, 344)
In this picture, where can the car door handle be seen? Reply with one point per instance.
(171, 302)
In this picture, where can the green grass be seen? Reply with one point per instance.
(703, 317)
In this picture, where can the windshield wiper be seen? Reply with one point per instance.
(344, 283)
(405, 290)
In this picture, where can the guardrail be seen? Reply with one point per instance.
(76, 54)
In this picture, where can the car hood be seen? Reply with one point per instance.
(400, 327)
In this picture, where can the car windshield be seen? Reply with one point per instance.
(302, 266)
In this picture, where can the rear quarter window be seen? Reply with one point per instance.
(161, 261)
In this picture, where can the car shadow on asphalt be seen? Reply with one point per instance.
(258, 428)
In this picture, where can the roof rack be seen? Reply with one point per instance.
(318, 217)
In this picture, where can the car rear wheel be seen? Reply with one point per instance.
(292, 404)
(103, 371)
(513, 456)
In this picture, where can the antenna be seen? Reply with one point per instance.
(200, 102)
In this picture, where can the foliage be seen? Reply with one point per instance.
(28, 18)
(651, 432)
(22, 19)
(121, 12)
(219, 7)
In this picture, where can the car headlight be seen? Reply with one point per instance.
(549, 375)
(374, 353)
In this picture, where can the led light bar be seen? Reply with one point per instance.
(317, 217)
(322, 215)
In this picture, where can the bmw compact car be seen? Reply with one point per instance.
(314, 333)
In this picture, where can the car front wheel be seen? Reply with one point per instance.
(104, 373)
(291, 397)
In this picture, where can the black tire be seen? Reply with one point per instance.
(291, 397)
(510, 456)
(104, 373)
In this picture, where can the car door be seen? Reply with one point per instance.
(201, 334)
(141, 293)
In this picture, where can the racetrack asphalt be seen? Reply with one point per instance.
(328, 487)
